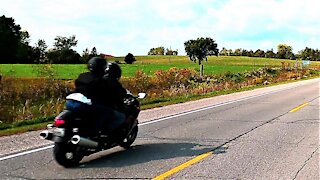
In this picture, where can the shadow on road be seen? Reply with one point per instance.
(147, 152)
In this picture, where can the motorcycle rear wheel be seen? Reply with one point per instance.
(65, 155)
(131, 137)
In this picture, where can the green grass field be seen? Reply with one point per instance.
(149, 64)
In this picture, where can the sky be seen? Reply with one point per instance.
(119, 27)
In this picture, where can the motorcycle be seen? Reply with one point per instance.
(69, 132)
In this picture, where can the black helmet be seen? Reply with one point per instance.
(113, 70)
(97, 65)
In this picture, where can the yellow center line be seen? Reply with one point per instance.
(299, 107)
(182, 166)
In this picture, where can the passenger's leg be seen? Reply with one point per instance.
(104, 116)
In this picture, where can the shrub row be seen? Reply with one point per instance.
(183, 82)
(23, 99)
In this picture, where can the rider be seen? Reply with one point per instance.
(94, 86)
(91, 84)
(112, 77)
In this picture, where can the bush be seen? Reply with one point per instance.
(182, 82)
(129, 59)
(64, 56)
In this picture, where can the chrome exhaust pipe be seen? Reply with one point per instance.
(46, 135)
(81, 141)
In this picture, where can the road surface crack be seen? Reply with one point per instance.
(305, 163)
(245, 133)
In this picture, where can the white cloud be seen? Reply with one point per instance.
(119, 27)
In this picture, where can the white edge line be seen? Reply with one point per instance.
(163, 119)
(26, 152)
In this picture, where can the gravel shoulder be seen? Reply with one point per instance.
(31, 140)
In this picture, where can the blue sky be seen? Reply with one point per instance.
(118, 27)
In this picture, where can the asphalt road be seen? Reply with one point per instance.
(274, 136)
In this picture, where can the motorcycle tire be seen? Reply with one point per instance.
(131, 137)
(65, 155)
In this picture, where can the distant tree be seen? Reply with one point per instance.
(65, 42)
(93, 52)
(270, 54)
(259, 53)
(156, 51)
(250, 53)
(10, 36)
(25, 37)
(244, 52)
(223, 52)
(64, 56)
(199, 49)
(229, 52)
(24, 52)
(238, 52)
(151, 51)
(305, 53)
(40, 50)
(85, 56)
(129, 59)
(284, 51)
(62, 52)
(317, 55)
(309, 53)
(291, 56)
(170, 52)
(160, 50)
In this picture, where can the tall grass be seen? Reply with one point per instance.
(185, 82)
(29, 98)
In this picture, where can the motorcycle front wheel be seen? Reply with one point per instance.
(66, 155)
(131, 137)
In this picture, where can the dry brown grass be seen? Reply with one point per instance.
(30, 98)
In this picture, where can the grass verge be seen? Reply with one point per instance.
(24, 126)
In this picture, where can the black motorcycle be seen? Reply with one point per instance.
(71, 136)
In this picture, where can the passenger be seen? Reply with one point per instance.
(117, 94)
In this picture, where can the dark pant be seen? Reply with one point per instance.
(108, 119)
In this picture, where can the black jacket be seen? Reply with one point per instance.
(92, 86)
(101, 90)
(117, 93)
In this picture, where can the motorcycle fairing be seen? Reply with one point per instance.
(79, 97)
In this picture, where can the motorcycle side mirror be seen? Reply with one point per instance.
(142, 95)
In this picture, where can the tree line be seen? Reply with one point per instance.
(162, 51)
(15, 48)
(283, 52)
